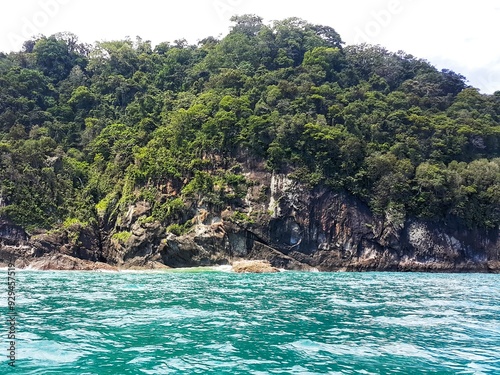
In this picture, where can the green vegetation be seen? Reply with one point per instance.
(86, 130)
(121, 237)
(241, 217)
(179, 229)
(71, 222)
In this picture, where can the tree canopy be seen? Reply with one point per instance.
(85, 129)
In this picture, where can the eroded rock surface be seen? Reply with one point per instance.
(253, 266)
(280, 221)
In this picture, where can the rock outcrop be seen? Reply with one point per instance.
(63, 262)
(253, 266)
(280, 221)
(11, 234)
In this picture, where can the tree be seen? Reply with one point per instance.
(248, 24)
(55, 58)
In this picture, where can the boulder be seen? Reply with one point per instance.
(253, 266)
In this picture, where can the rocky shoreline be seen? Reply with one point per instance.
(282, 222)
(61, 262)
(189, 251)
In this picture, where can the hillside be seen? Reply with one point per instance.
(277, 141)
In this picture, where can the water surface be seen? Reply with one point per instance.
(285, 323)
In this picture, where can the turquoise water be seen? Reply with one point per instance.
(286, 323)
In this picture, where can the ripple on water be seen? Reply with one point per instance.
(286, 323)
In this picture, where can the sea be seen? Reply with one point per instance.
(210, 321)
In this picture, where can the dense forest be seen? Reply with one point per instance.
(85, 130)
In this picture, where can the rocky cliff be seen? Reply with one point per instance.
(280, 220)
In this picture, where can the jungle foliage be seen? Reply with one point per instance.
(87, 128)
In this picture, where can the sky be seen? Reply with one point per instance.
(461, 36)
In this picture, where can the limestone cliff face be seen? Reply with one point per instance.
(13, 242)
(332, 231)
(11, 234)
(295, 227)
(286, 223)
